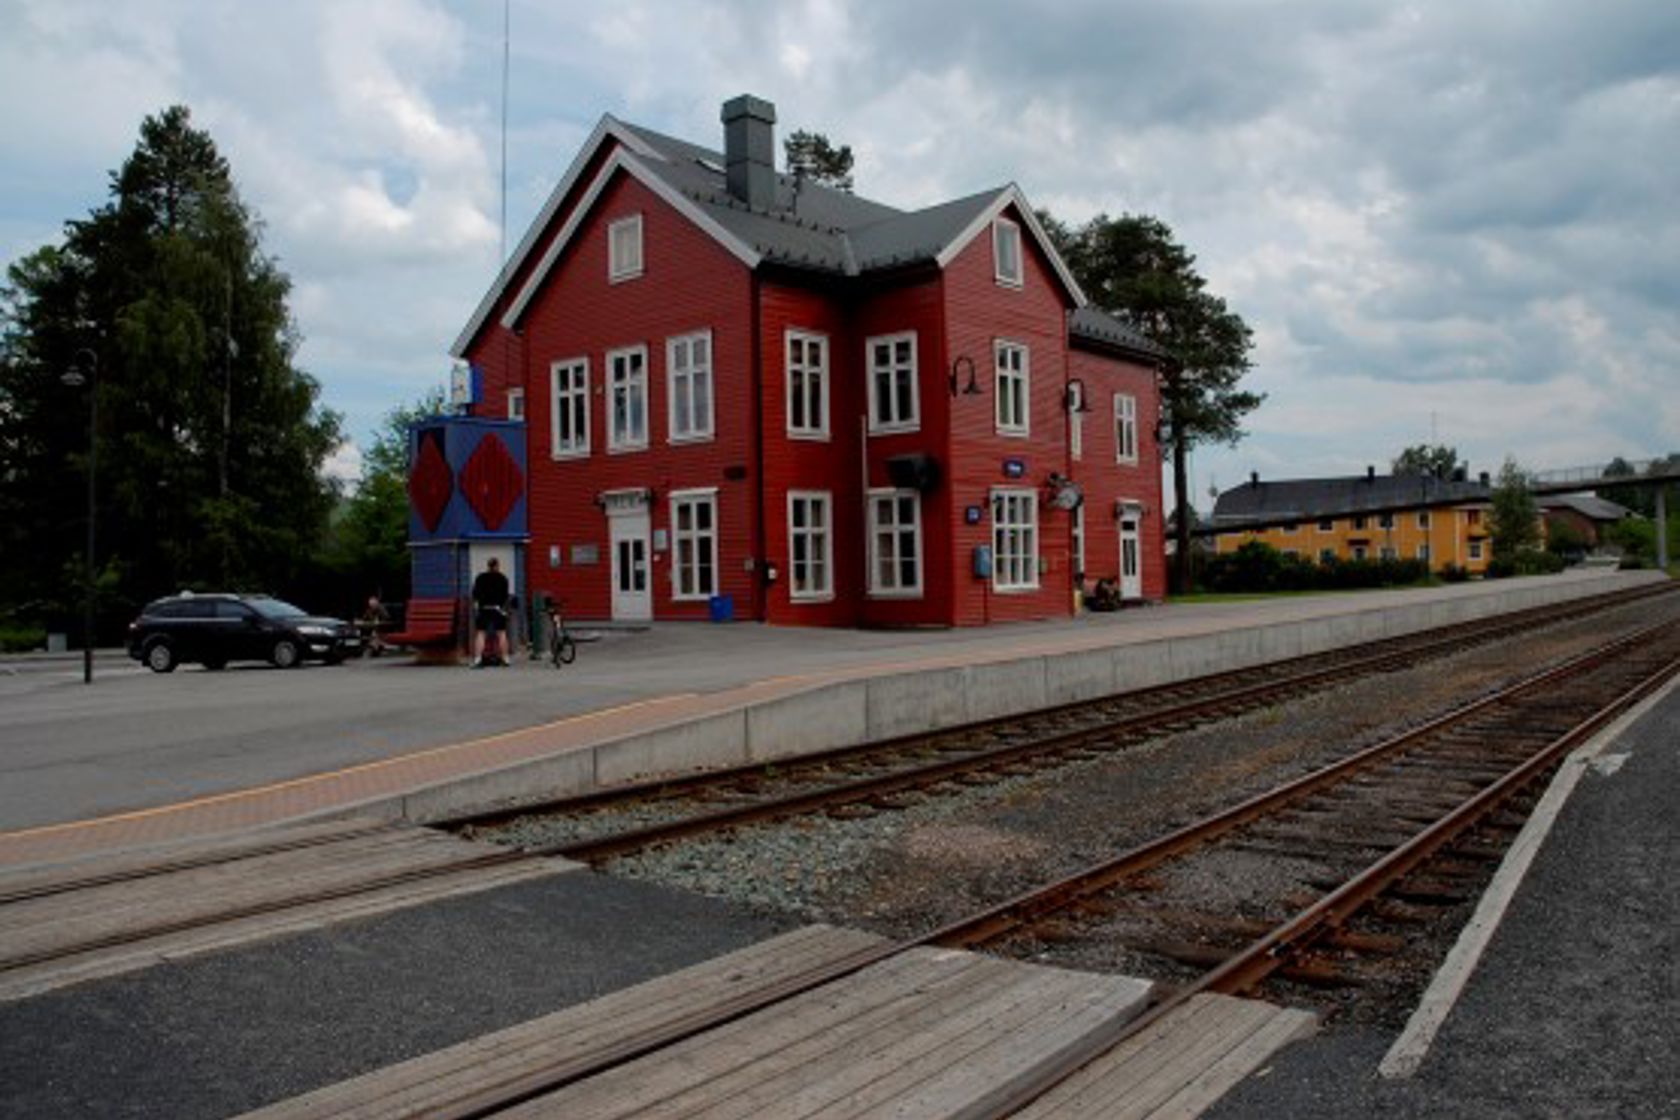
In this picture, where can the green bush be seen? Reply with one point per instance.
(1257, 567)
(22, 639)
(1453, 573)
(1535, 562)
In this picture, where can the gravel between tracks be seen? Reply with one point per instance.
(906, 871)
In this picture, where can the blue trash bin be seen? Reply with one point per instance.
(722, 608)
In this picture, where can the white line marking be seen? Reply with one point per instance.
(1409, 1050)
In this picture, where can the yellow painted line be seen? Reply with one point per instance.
(333, 775)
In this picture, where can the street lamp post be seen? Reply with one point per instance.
(75, 377)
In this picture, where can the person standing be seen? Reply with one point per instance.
(490, 602)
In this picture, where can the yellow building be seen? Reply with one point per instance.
(1366, 517)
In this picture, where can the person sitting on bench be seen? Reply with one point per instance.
(490, 602)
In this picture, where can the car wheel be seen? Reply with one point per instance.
(160, 656)
(285, 654)
(215, 664)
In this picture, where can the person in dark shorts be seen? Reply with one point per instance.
(490, 601)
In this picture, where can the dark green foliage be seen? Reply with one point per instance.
(1453, 573)
(1257, 567)
(22, 639)
(366, 550)
(210, 439)
(1432, 460)
(1526, 562)
(1564, 539)
(1514, 524)
(811, 156)
(1134, 269)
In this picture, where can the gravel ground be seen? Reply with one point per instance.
(904, 872)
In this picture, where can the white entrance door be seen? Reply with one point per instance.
(631, 595)
(1131, 556)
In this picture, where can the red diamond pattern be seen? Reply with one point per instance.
(492, 481)
(431, 480)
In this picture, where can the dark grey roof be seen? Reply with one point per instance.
(1587, 505)
(1100, 326)
(920, 235)
(1308, 499)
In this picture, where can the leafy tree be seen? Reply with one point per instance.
(1133, 268)
(811, 156)
(367, 547)
(1513, 524)
(210, 439)
(1429, 460)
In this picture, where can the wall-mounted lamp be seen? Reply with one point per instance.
(973, 386)
(1074, 398)
(600, 500)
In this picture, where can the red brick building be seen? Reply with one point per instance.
(752, 393)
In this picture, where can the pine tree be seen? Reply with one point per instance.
(211, 440)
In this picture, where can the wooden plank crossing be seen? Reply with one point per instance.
(127, 911)
(1178, 1066)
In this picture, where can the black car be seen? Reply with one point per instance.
(216, 629)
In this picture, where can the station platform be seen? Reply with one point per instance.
(679, 697)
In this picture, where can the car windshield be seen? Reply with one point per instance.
(276, 608)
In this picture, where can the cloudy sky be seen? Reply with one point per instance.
(1444, 221)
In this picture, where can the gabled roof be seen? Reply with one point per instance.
(1308, 499)
(809, 226)
(1590, 506)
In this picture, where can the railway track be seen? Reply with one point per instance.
(881, 776)
(1444, 779)
(1076, 731)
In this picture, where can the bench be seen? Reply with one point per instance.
(427, 624)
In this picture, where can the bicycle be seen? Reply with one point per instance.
(562, 647)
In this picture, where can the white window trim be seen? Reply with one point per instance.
(1423, 554)
(700, 434)
(999, 226)
(819, 431)
(1076, 419)
(1331, 528)
(580, 448)
(516, 404)
(615, 445)
(617, 270)
(1023, 428)
(875, 590)
(826, 497)
(697, 494)
(1029, 499)
(900, 424)
(1131, 415)
(1423, 519)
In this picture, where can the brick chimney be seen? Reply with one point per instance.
(749, 150)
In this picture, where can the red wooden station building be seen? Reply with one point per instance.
(749, 395)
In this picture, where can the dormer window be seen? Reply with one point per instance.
(1006, 252)
(624, 248)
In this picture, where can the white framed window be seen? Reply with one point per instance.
(1014, 540)
(1125, 428)
(895, 544)
(1475, 550)
(1013, 373)
(516, 404)
(1079, 540)
(568, 424)
(1006, 252)
(893, 401)
(694, 564)
(1385, 521)
(1359, 552)
(688, 373)
(1423, 553)
(810, 545)
(1326, 555)
(807, 385)
(627, 394)
(624, 249)
(1423, 519)
(1387, 553)
(1076, 419)
(1327, 525)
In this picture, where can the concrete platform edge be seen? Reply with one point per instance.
(834, 713)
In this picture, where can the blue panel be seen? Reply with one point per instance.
(435, 574)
